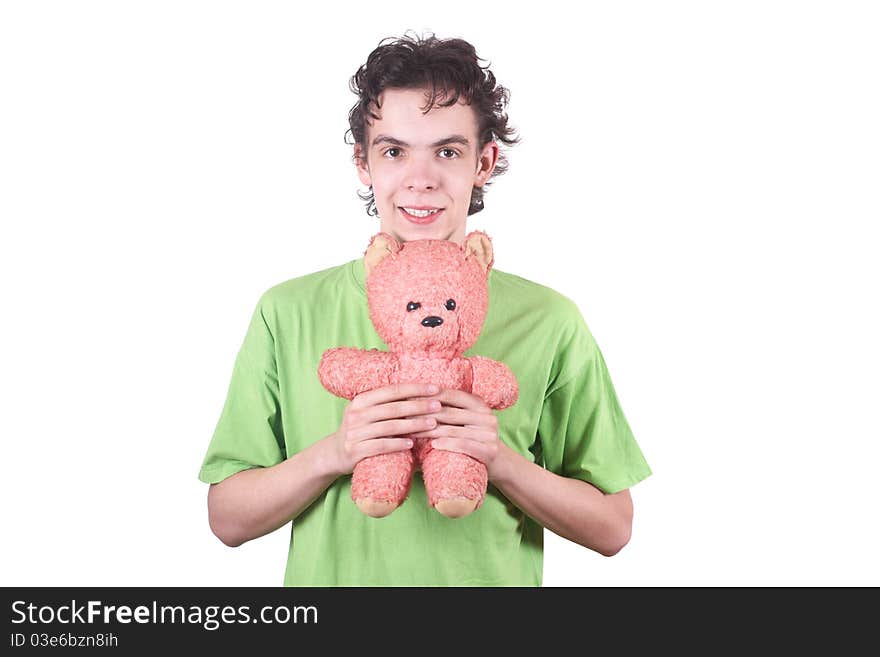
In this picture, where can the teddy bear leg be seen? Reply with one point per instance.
(455, 483)
(379, 484)
(456, 508)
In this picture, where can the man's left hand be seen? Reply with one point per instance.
(467, 425)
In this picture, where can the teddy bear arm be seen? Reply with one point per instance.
(493, 382)
(347, 371)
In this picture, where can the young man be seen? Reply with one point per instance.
(426, 128)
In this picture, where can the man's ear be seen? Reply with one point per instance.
(360, 163)
(486, 163)
(478, 245)
(381, 246)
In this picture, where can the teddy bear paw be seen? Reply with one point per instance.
(375, 508)
(456, 507)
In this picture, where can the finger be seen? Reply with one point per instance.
(461, 399)
(399, 409)
(474, 450)
(459, 433)
(393, 393)
(388, 428)
(383, 446)
(463, 417)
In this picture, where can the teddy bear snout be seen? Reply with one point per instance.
(433, 321)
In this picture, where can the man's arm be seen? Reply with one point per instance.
(571, 508)
(255, 502)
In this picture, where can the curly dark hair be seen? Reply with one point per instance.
(451, 68)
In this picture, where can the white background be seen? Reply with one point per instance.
(701, 178)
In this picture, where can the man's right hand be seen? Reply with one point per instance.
(373, 421)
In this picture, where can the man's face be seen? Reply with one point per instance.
(417, 161)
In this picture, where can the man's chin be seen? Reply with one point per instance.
(412, 233)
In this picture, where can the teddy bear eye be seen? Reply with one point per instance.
(450, 304)
(413, 305)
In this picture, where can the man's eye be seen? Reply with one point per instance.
(451, 152)
(389, 151)
(413, 305)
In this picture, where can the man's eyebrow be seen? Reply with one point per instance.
(451, 139)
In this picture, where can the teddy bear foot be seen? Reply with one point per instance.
(456, 507)
(375, 508)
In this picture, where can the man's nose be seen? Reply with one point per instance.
(433, 321)
(421, 174)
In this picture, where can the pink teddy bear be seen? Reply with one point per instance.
(427, 300)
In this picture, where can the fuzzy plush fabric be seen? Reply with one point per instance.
(427, 300)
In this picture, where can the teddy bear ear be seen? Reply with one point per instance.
(381, 246)
(478, 245)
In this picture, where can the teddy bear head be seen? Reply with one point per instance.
(428, 297)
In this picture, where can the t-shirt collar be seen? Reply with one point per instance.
(358, 275)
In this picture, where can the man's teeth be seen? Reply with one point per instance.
(420, 213)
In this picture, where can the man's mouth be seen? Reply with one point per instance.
(420, 215)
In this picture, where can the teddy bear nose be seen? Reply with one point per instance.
(432, 321)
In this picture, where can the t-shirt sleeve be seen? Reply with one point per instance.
(249, 433)
(583, 432)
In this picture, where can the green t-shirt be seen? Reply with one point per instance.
(567, 419)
